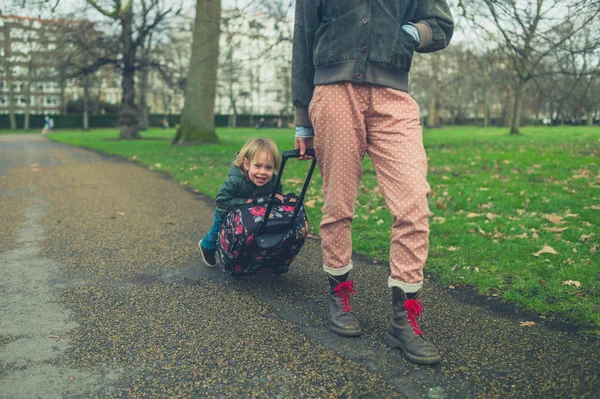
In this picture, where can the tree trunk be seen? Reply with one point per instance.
(11, 101)
(433, 120)
(232, 100)
(63, 99)
(129, 120)
(86, 97)
(27, 107)
(516, 112)
(144, 114)
(198, 119)
(486, 111)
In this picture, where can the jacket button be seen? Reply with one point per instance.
(364, 20)
(363, 48)
(359, 75)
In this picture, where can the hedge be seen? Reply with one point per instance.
(75, 121)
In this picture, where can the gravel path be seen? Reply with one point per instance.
(103, 294)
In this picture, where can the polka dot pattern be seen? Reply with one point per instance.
(351, 120)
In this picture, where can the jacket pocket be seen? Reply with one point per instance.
(334, 42)
(397, 52)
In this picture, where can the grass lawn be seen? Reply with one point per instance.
(518, 218)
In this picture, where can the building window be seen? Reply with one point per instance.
(3, 100)
(51, 101)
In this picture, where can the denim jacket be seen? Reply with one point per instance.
(361, 41)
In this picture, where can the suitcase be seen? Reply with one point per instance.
(265, 236)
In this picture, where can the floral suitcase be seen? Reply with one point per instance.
(265, 236)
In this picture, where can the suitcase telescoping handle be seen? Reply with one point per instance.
(284, 157)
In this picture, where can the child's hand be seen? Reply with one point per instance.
(279, 197)
(249, 200)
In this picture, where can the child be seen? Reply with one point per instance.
(46, 127)
(250, 175)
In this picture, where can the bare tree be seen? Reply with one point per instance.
(197, 119)
(529, 32)
(153, 14)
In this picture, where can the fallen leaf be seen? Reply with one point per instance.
(472, 215)
(310, 204)
(380, 221)
(583, 173)
(595, 207)
(571, 282)
(452, 249)
(439, 219)
(527, 323)
(157, 165)
(585, 237)
(481, 231)
(490, 216)
(546, 250)
(555, 229)
(554, 219)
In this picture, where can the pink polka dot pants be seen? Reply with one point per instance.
(350, 120)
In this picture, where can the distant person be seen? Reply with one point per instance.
(165, 124)
(46, 127)
(350, 70)
(261, 123)
(250, 175)
(51, 124)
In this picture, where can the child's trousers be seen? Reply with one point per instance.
(210, 240)
(350, 120)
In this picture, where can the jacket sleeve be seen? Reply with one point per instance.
(435, 24)
(303, 71)
(228, 196)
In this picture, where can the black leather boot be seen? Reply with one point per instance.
(405, 332)
(341, 319)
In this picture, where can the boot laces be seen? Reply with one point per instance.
(414, 309)
(344, 290)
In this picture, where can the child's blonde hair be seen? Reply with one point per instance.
(254, 147)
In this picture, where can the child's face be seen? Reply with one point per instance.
(260, 169)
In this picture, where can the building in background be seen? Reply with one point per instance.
(253, 77)
(254, 66)
(29, 78)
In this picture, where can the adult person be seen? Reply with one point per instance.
(350, 67)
